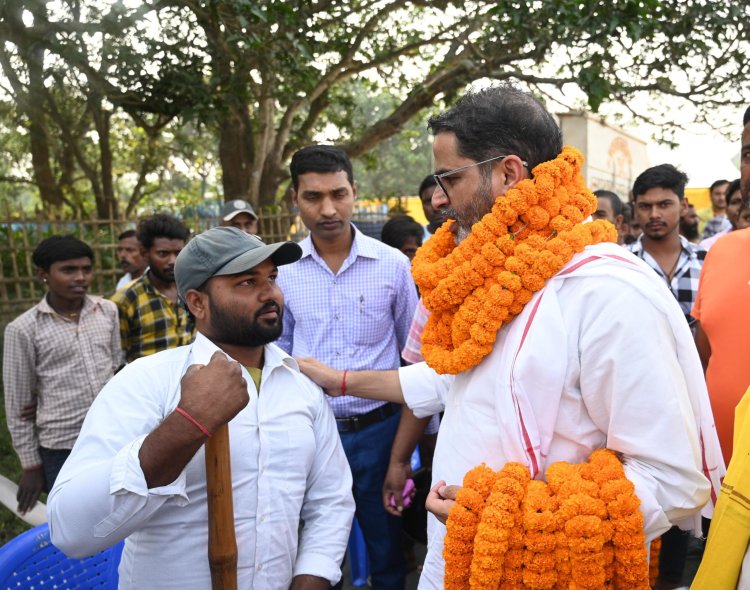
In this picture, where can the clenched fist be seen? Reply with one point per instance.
(215, 393)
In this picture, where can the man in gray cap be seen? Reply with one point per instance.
(240, 214)
(137, 471)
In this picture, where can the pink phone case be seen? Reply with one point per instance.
(405, 494)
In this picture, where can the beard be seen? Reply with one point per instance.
(689, 231)
(240, 330)
(478, 206)
(165, 275)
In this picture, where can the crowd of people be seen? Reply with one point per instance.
(453, 331)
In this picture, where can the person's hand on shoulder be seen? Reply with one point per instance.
(331, 380)
(215, 393)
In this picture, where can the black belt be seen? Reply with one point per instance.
(357, 423)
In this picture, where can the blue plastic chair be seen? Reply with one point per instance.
(32, 562)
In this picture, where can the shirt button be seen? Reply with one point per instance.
(336, 317)
(260, 567)
(263, 518)
(334, 281)
(338, 353)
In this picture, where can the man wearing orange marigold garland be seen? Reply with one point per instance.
(527, 347)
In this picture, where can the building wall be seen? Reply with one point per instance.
(613, 157)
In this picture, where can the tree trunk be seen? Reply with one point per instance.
(236, 154)
(106, 204)
(49, 189)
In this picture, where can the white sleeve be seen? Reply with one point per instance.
(424, 390)
(101, 496)
(635, 391)
(328, 507)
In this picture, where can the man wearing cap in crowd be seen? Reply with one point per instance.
(240, 214)
(137, 471)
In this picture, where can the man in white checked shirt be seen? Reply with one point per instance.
(348, 302)
(56, 358)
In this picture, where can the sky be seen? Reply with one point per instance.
(705, 157)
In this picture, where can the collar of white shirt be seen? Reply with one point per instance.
(203, 349)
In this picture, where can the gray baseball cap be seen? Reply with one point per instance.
(226, 251)
(232, 208)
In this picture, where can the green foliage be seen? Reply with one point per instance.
(254, 80)
(396, 166)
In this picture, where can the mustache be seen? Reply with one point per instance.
(268, 306)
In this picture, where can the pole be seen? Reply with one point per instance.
(222, 544)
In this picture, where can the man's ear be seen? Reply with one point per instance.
(294, 196)
(514, 171)
(197, 303)
(355, 189)
(683, 207)
(41, 274)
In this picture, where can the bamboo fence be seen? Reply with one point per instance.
(20, 233)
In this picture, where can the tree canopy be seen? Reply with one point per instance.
(104, 91)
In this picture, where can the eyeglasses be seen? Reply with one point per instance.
(438, 177)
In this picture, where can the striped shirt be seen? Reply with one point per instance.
(684, 283)
(356, 319)
(61, 365)
(412, 352)
(149, 322)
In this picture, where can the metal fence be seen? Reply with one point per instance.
(19, 235)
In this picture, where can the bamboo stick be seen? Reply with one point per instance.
(222, 543)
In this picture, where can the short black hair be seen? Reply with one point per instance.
(662, 176)
(716, 183)
(58, 248)
(733, 187)
(501, 120)
(161, 225)
(613, 198)
(746, 118)
(397, 229)
(427, 182)
(321, 159)
(128, 233)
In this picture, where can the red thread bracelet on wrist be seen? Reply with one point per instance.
(343, 383)
(195, 422)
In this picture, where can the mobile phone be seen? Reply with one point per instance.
(409, 487)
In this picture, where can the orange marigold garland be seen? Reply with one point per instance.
(473, 288)
(540, 525)
(653, 561)
(462, 525)
(582, 529)
(498, 522)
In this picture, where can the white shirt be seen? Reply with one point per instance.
(288, 468)
(124, 281)
(601, 356)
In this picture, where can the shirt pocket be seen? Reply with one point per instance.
(373, 319)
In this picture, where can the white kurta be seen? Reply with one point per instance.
(288, 468)
(601, 357)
